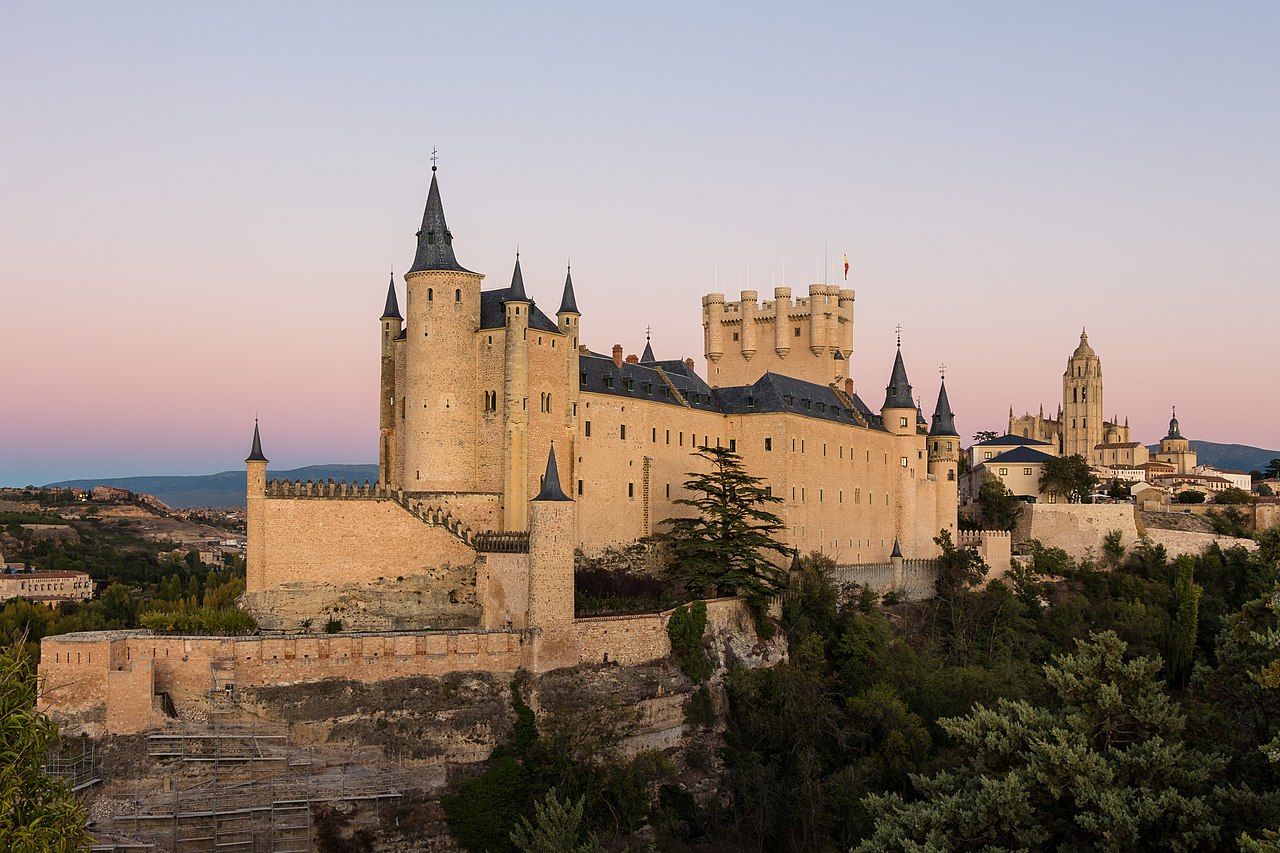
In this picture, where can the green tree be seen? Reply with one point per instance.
(985, 435)
(1000, 507)
(1104, 769)
(1068, 477)
(38, 814)
(1272, 471)
(729, 544)
(1233, 495)
(556, 828)
(1191, 496)
(1180, 638)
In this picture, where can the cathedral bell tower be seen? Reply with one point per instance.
(1082, 427)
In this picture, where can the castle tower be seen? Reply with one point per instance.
(392, 326)
(1082, 418)
(440, 406)
(748, 326)
(899, 409)
(944, 459)
(515, 387)
(781, 328)
(255, 556)
(567, 319)
(551, 543)
(713, 317)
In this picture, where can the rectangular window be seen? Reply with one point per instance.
(733, 445)
(1026, 472)
(668, 436)
(1004, 472)
(579, 487)
(622, 431)
(631, 490)
(768, 491)
(751, 402)
(587, 429)
(768, 443)
(680, 439)
(986, 454)
(668, 490)
(655, 435)
(902, 422)
(903, 462)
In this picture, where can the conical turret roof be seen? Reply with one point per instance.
(551, 490)
(435, 241)
(568, 304)
(647, 356)
(255, 452)
(898, 392)
(516, 292)
(392, 310)
(944, 422)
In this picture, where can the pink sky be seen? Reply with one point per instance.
(199, 205)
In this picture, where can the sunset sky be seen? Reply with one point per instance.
(200, 203)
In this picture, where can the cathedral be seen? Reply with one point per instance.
(1080, 427)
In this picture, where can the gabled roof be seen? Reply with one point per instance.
(1010, 439)
(1020, 455)
(774, 392)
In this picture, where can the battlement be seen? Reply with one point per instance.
(326, 489)
(809, 337)
(975, 538)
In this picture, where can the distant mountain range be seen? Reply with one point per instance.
(222, 490)
(1236, 457)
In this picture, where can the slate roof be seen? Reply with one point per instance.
(435, 241)
(551, 490)
(1010, 439)
(647, 356)
(1020, 455)
(255, 452)
(770, 393)
(392, 309)
(944, 422)
(898, 391)
(568, 302)
(494, 316)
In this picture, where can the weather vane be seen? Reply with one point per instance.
(898, 330)
(434, 157)
(647, 331)
(942, 369)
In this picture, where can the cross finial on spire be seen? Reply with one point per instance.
(434, 157)
(942, 370)
(648, 330)
(898, 330)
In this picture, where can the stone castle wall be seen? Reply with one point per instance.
(1079, 529)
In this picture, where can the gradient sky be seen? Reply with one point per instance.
(199, 203)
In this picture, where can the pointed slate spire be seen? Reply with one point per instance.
(435, 241)
(897, 549)
(551, 490)
(944, 422)
(255, 452)
(392, 311)
(568, 304)
(647, 357)
(516, 292)
(898, 392)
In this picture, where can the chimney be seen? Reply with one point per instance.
(617, 355)
(688, 362)
(848, 387)
(633, 359)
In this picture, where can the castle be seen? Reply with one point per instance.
(461, 556)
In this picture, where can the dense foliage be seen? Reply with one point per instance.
(37, 813)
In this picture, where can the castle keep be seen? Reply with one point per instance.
(478, 386)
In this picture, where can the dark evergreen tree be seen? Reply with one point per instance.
(1068, 477)
(731, 545)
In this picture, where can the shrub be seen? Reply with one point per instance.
(333, 626)
(685, 628)
(200, 621)
(700, 709)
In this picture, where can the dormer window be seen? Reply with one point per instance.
(608, 381)
(751, 402)
(808, 405)
(629, 384)
(583, 379)
(648, 387)
(431, 238)
(791, 401)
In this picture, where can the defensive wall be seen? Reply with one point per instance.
(123, 681)
(1080, 529)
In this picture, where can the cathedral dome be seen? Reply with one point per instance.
(1084, 350)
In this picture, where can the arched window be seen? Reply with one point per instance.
(457, 295)
(431, 295)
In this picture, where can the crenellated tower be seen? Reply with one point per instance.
(810, 338)
(442, 301)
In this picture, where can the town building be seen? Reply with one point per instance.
(45, 587)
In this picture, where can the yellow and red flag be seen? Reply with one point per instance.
(846, 267)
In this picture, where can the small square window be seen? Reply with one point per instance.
(903, 462)
(902, 422)
(1004, 472)
(1026, 472)
(768, 443)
